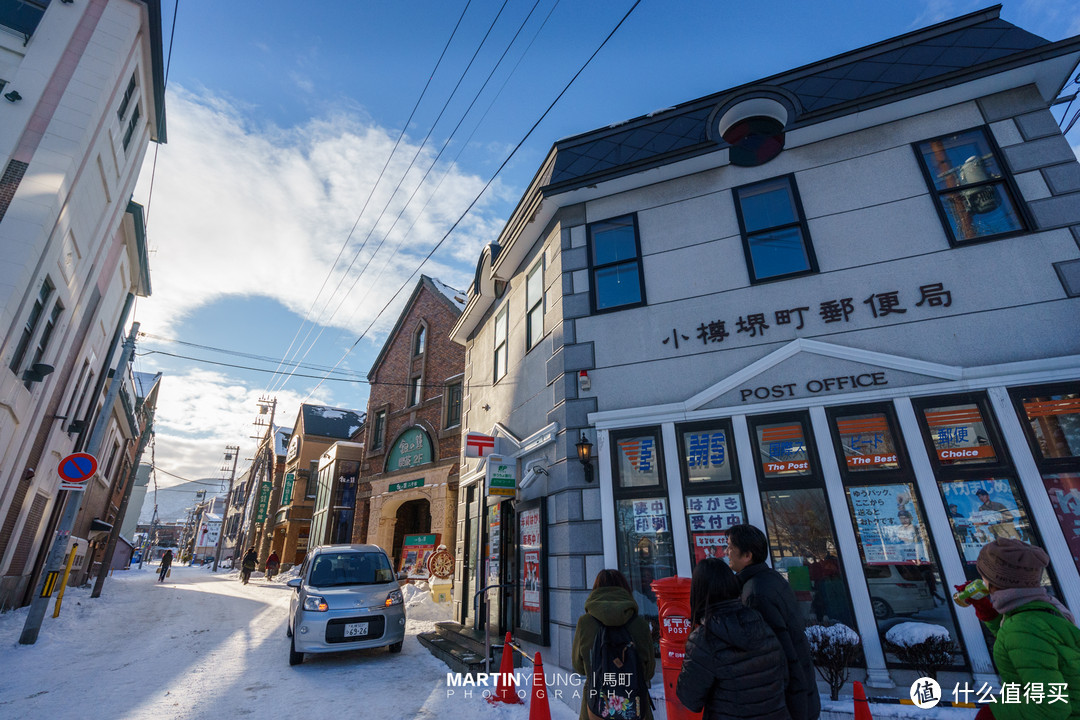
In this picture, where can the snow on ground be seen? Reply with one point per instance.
(202, 645)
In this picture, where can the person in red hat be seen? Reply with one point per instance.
(1037, 644)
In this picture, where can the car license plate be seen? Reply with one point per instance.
(356, 629)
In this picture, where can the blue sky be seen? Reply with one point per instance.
(281, 116)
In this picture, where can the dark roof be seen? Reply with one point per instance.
(331, 422)
(823, 89)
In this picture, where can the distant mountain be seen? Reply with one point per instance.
(174, 500)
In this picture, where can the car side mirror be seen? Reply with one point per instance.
(295, 583)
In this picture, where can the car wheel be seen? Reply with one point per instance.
(882, 609)
(396, 647)
(295, 658)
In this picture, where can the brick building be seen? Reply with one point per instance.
(414, 425)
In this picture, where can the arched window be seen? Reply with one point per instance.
(419, 341)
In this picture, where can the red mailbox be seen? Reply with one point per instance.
(673, 599)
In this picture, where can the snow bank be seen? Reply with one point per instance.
(421, 607)
(915, 633)
(838, 634)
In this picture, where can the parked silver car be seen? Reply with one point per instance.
(347, 597)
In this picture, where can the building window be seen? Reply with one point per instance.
(615, 264)
(132, 124)
(377, 429)
(420, 341)
(534, 304)
(774, 232)
(416, 390)
(502, 328)
(973, 193)
(714, 501)
(46, 335)
(126, 100)
(31, 325)
(453, 405)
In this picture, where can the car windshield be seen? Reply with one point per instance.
(350, 568)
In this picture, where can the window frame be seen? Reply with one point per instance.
(45, 337)
(419, 343)
(501, 316)
(1006, 180)
(532, 306)
(132, 124)
(32, 325)
(416, 391)
(378, 430)
(125, 101)
(450, 387)
(800, 223)
(639, 260)
(734, 486)
(1052, 465)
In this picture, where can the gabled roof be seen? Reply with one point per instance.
(455, 300)
(953, 51)
(331, 422)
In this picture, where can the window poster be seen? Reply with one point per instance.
(888, 524)
(531, 574)
(493, 545)
(982, 510)
(783, 450)
(707, 456)
(650, 516)
(709, 517)
(959, 435)
(867, 442)
(1064, 491)
(638, 461)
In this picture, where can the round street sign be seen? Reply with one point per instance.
(78, 467)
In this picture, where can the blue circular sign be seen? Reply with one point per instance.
(78, 467)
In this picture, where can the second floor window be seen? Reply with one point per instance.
(615, 264)
(416, 391)
(132, 124)
(126, 100)
(377, 429)
(534, 304)
(972, 191)
(453, 405)
(420, 341)
(502, 326)
(775, 237)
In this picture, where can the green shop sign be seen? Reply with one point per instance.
(419, 540)
(412, 449)
(407, 485)
(264, 501)
(286, 493)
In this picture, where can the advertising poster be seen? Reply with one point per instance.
(709, 517)
(867, 442)
(784, 449)
(650, 516)
(531, 573)
(982, 510)
(707, 456)
(888, 524)
(415, 552)
(1064, 491)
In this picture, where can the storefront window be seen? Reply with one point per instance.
(532, 573)
(646, 550)
(707, 454)
(959, 434)
(637, 461)
(867, 442)
(711, 487)
(1064, 491)
(782, 450)
(708, 518)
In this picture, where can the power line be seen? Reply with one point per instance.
(237, 353)
(178, 477)
(484, 189)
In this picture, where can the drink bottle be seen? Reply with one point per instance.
(972, 591)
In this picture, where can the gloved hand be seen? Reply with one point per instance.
(984, 713)
(984, 610)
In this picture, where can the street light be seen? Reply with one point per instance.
(584, 454)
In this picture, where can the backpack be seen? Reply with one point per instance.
(616, 689)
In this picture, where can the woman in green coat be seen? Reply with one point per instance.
(610, 603)
(1036, 643)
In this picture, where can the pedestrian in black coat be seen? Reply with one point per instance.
(734, 667)
(166, 563)
(765, 590)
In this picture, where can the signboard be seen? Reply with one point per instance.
(415, 552)
(983, 510)
(529, 539)
(75, 470)
(501, 475)
(707, 455)
(286, 493)
(784, 449)
(411, 449)
(888, 524)
(532, 573)
(263, 502)
(709, 517)
(406, 485)
(478, 445)
(867, 442)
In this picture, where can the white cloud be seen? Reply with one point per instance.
(243, 209)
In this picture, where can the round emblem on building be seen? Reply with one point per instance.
(441, 563)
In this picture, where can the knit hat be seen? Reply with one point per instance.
(1011, 563)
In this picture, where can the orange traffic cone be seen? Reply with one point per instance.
(538, 705)
(862, 705)
(504, 686)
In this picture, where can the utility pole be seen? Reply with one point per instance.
(235, 451)
(38, 603)
(110, 547)
(271, 447)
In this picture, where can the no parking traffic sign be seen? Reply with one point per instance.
(75, 470)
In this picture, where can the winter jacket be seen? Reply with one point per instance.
(765, 590)
(251, 560)
(1035, 644)
(166, 559)
(614, 607)
(734, 667)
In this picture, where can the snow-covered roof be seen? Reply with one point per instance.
(281, 445)
(331, 422)
(209, 517)
(459, 298)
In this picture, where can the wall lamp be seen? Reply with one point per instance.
(584, 454)
(37, 372)
(13, 96)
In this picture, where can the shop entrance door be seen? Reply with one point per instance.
(500, 567)
(470, 566)
(413, 518)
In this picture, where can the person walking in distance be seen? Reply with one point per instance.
(734, 666)
(766, 590)
(611, 626)
(248, 564)
(166, 563)
(272, 564)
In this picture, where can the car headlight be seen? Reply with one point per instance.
(394, 597)
(315, 603)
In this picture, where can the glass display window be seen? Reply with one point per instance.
(637, 460)
(867, 442)
(708, 518)
(959, 434)
(707, 453)
(711, 486)
(782, 449)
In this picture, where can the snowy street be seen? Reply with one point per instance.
(204, 646)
